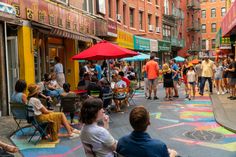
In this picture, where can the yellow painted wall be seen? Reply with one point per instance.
(26, 55)
(72, 67)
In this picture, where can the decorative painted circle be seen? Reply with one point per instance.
(203, 135)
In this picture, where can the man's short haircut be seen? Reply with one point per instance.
(89, 110)
(121, 73)
(152, 57)
(139, 118)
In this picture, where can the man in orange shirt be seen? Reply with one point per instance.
(152, 70)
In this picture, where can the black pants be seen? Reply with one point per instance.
(203, 81)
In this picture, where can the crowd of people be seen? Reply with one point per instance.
(96, 139)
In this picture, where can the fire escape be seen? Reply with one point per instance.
(193, 24)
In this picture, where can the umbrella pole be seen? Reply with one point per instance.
(140, 75)
(109, 71)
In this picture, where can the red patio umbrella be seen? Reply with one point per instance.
(104, 50)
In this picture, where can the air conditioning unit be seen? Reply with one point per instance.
(150, 28)
(119, 17)
(158, 29)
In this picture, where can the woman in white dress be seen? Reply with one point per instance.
(58, 69)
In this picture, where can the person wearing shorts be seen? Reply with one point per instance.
(218, 78)
(152, 70)
(191, 78)
(184, 76)
(175, 76)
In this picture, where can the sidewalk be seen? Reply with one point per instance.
(224, 111)
(8, 126)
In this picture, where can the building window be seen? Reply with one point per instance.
(131, 16)
(109, 8)
(117, 6)
(213, 0)
(166, 32)
(88, 6)
(149, 0)
(203, 44)
(157, 21)
(149, 19)
(203, 28)
(213, 12)
(213, 27)
(166, 7)
(213, 43)
(223, 10)
(156, 2)
(124, 14)
(140, 20)
(203, 13)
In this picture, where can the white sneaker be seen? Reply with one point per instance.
(218, 93)
(74, 135)
(58, 105)
(223, 93)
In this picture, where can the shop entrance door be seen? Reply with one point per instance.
(53, 52)
(13, 64)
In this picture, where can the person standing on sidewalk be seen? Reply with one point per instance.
(184, 71)
(207, 74)
(232, 77)
(152, 69)
(58, 69)
(175, 77)
(198, 71)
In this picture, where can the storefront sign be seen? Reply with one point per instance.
(50, 13)
(111, 28)
(125, 39)
(164, 45)
(153, 45)
(229, 21)
(101, 6)
(141, 43)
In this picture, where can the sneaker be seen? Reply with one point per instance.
(58, 105)
(218, 93)
(155, 98)
(201, 94)
(186, 96)
(149, 98)
(73, 135)
(175, 96)
(223, 93)
(230, 97)
(233, 98)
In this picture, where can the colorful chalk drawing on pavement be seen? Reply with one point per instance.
(198, 114)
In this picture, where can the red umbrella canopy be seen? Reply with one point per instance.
(104, 50)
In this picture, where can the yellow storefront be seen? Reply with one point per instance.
(125, 39)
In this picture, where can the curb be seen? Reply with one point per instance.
(220, 115)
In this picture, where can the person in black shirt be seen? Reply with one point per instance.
(232, 77)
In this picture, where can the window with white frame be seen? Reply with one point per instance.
(213, 27)
(88, 6)
(213, 12)
(223, 11)
(166, 7)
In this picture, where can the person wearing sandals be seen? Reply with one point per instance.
(5, 148)
(19, 95)
(168, 81)
(191, 78)
(96, 140)
(56, 118)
